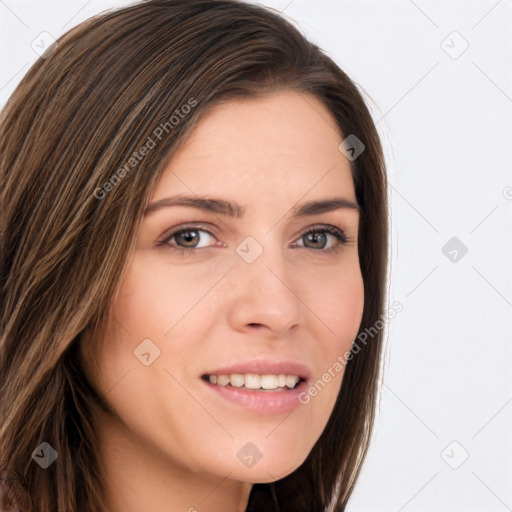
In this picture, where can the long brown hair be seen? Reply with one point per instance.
(71, 207)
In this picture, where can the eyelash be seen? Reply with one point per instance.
(184, 251)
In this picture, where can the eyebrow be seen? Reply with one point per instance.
(234, 209)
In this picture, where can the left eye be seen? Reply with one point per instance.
(320, 237)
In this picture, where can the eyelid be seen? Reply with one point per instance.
(205, 226)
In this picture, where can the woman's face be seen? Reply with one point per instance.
(225, 280)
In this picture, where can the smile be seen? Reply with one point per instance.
(253, 381)
(261, 387)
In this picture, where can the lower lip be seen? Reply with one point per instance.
(261, 402)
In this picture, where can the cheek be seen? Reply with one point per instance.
(142, 303)
(154, 297)
(337, 299)
(347, 310)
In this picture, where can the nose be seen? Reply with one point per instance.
(262, 295)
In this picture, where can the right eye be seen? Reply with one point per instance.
(188, 239)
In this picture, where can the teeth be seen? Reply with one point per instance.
(269, 381)
(222, 380)
(252, 381)
(236, 380)
(255, 381)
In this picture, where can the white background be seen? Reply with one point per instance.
(445, 118)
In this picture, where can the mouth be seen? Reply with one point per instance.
(262, 387)
(255, 382)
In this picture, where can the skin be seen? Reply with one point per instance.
(172, 443)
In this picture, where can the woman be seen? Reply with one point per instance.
(194, 236)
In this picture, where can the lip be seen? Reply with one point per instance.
(261, 402)
(265, 367)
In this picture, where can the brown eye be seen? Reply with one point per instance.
(189, 237)
(318, 238)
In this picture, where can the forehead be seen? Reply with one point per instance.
(282, 145)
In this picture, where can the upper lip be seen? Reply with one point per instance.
(264, 367)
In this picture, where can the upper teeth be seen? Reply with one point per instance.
(254, 381)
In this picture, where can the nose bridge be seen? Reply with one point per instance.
(264, 293)
(264, 260)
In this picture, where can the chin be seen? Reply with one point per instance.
(264, 473)
(261, 477)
